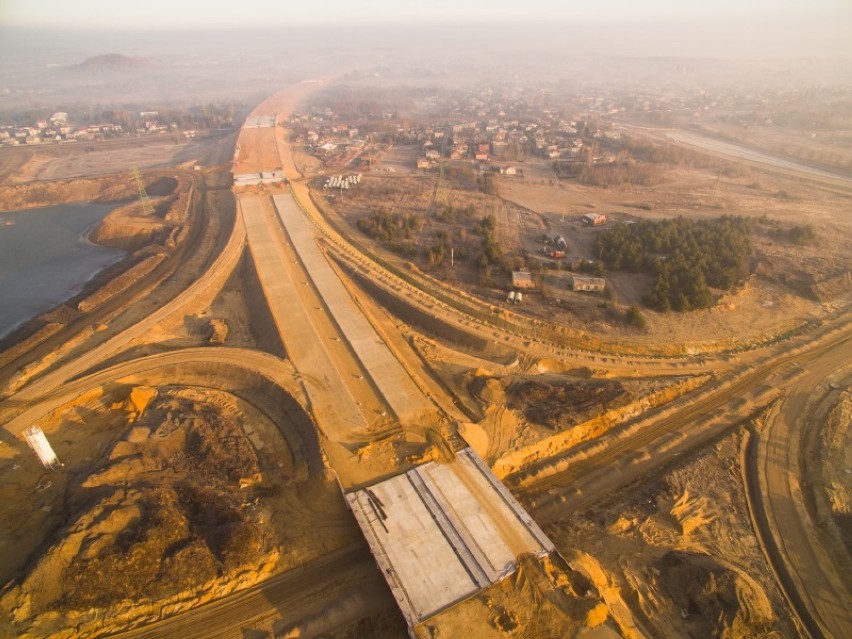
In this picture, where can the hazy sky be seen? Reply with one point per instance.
(183, 14)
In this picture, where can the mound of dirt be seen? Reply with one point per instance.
(543, 598)
(559, 404)
(163, 513)
(488, 390)
(709, 596)
(130, 228)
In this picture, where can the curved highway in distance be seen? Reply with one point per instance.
(751, 154)
(738, 151)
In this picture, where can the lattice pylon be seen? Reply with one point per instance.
(147, 207)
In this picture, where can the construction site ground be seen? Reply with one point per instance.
(208, 414)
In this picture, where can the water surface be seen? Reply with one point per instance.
(46, 258)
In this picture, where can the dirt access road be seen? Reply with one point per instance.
(348, 577)
(693, 420)
(794, 547)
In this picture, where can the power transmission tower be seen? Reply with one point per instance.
(147, 207)
(716, 186)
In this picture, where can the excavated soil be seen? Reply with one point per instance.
(170, 496)
(543, 599)
(681, 552)
(519, 420)
(561, 404)
(103, 189)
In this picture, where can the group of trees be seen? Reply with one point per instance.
(490, 250)
(801, 235)
(685, 257)
(396, 230)
(450, 214)
(487, 182)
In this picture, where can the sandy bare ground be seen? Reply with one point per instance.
(678, 552)
(104, 158)
(814, 557)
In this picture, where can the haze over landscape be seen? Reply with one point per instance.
(425, 319)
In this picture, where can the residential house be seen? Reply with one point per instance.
(593, 284)
(522, 279)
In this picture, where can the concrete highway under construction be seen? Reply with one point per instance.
(439, 527)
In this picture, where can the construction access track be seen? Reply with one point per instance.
(759, 375)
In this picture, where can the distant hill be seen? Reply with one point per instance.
(116, 62)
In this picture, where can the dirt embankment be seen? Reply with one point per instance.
(171, 496)
(835, 448)
(157, 221)
(105, 189)
(681, 552)
(566, 403)
(529, 420)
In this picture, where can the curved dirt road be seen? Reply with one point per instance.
(801, 560)
(212, 278)
(277, 370)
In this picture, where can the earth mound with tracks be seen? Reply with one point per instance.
(173, 505)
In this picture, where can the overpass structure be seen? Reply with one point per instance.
(442, 532)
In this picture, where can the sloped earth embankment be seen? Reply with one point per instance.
(680, 552)
(170, 496)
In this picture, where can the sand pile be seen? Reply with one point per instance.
(488, 390)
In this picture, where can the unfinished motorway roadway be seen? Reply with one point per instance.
(379, 414)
